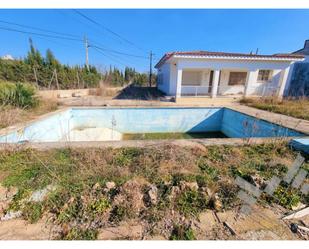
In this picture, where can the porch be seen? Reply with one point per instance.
(227, 82)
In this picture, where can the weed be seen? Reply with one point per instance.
(99, 206)
(204, 166)
(285, 196)
(294, 108)
(191, 202)
(182, 232)
(32, 211)
(81, 234)
(125, 157)
(118, 214)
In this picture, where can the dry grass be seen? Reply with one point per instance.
(11, 115)
(81, 201)
(295, 108)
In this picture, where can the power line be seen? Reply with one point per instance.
(118, 52)
(40, 34)
(107, 29)
(39, 29)
(109, 56)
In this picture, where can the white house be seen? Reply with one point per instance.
(202, 73)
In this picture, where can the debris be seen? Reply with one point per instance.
(11, 215)
(39, 195)
(298, 206)
(188, 185)
(96, 186)
(215, 202)
(110, 185)
(6, 194)
(153, 194)
(298, 214)
(295, 227)
(229, 227)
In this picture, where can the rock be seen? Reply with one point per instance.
(188, 185)
(131, 196)
(39, 195)
(121, 232)
(175, 191)
(215, 202)
(11, 215)
(6, 194)
(96, 186)
(110, 185)
(153, 194)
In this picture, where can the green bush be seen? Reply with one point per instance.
(19, 95)
(182, 232)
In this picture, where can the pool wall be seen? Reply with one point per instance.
(148, 120)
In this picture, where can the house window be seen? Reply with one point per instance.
(265, 75)
(237, 78)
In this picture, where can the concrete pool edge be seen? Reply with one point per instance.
(144, 143)
(252, 112)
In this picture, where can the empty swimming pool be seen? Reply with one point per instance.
(110, 124)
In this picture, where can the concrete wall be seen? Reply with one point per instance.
(239, 125)
(54, 94)
(164, 79)
(51, 129)
(226, 66)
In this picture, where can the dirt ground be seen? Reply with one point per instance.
(261, 224)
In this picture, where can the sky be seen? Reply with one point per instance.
(125, 37)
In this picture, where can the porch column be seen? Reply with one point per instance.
(178, 83)
(282, 82)
(215, 84)
(251, 78)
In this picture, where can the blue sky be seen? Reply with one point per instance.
(272, 31)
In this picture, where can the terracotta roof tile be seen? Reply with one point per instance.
(224, 54)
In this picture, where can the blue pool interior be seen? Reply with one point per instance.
(233, 124)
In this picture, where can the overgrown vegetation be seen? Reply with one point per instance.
(18, 95)
(298, 108)
(185, 181)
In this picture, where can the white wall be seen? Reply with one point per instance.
(226, 66)
(164, 74)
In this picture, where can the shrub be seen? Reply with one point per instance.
(182, 232)
(81, 234)
(19, 95)
(33, 212)
(191, 202)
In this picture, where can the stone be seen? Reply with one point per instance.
(96, 186)
(39, 195)
(6, 194)
(110, 185)
(188, 185)
(153, 194)
(11, 215)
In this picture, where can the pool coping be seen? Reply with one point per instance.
(299, 125)
(144, 143)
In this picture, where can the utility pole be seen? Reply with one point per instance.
(150, 68)
(86, 47)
